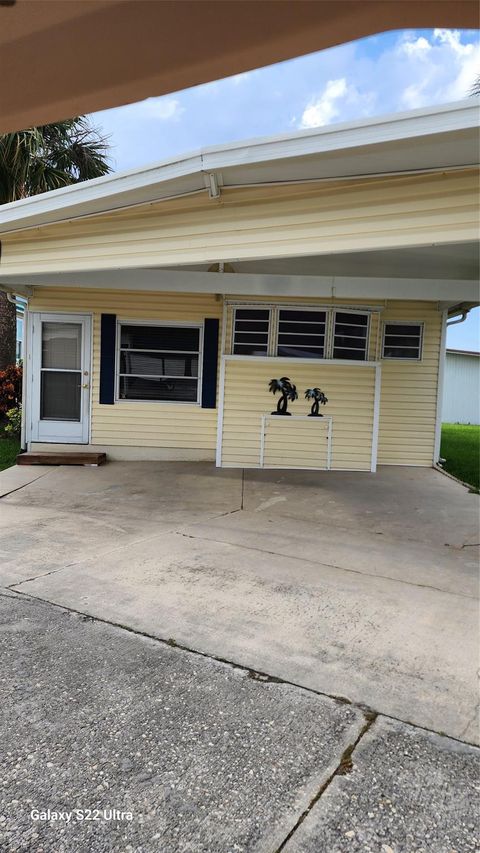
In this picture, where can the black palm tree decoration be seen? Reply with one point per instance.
(318, 397)
(288, 392)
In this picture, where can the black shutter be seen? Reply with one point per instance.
(107, 358)
(210, 363)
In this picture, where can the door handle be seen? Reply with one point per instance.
(85, 385)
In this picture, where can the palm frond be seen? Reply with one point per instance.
(45, 158)
(475, 90)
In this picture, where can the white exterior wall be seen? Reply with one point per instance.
(461, 392)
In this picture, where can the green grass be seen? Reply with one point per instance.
(9, 447)
(460, 448)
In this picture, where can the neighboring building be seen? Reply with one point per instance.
(461, 393)
(163, 300)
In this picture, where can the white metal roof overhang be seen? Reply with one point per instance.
(431, 139)
(440, 138)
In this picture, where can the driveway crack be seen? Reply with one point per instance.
(24, 485)
(471, 721)
(344, 766)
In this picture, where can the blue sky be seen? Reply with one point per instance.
(385, 73)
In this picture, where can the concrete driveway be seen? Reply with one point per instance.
(342, 606)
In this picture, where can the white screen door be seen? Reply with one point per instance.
(60, 378)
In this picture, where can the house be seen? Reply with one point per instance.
(461, 393)
(162, 301)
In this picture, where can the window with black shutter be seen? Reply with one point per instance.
(159, 362)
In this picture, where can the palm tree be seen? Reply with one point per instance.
(288, 392)
(38, 160)
(317, 395)
(475, 90)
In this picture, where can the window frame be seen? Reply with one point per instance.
(419, 323)
(273, 331)
(339, 310)
(160, 323)
(276, 330)
(271, 325)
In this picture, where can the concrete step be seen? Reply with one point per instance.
(61, 458)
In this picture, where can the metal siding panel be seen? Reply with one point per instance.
(461, 398)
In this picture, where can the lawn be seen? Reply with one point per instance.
(460, 448)
(9, 447)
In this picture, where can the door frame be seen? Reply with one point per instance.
(33, 376)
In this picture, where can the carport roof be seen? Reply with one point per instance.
(442, 137)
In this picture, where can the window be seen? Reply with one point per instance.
(403, 340)
(350, 335)
(301, 334)
(159, 362)
(250, 331)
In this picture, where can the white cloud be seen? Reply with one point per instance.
(325, 108)
(444, 71)
(166, 109)
(418, 47)
(338, 100)
(414, 96)
(415, 70)
(237, 79)
(452, 38)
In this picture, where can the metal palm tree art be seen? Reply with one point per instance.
(288, 392)
(318, 398)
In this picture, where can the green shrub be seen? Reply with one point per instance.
(10, 388)
(14, 422)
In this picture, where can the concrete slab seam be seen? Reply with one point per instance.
(254, 674)
(320, 563)
(170, 532)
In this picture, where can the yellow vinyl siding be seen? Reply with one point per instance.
(126, 423)
(408, 389)
(408, 406)
(247, 223)
(350, 390)
(295, 443)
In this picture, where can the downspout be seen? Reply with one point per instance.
(460, 320)
(440, 381)
(463, 312)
